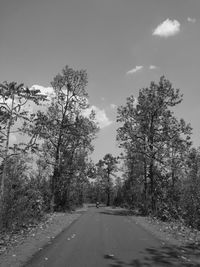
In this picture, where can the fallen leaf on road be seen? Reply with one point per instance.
(184, 258)
(109, 256)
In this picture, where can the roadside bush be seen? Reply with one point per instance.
(21, 209)
(191, 207)
(23, 202)
(167, 212)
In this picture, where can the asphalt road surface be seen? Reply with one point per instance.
(103, 237)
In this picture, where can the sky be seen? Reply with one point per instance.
(123, 45)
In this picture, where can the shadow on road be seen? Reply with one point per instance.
(172, 256)
(117, 212)
(168, 255)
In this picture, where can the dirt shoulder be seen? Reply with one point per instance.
(174, 233)
(22, 245)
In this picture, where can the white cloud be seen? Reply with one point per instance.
(167, 28)
(30, 106)
(13, 139)
(193, 20)
(113, 106)
(100, 117)
(137, 68)
(44, 90)
(50, 93)
(152, 67)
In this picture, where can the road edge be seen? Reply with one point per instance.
(21, 253)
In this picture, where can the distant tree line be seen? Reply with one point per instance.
(50, 168)
(102, 187)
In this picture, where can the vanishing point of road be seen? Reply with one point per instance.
(105, 237)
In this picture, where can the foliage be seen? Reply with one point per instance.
(13, 98)
(190, 200)
(105, 170)
(67, 134)
(61, 165)
(118, 196)
(155, 144)
(23, 202)
(161, 172)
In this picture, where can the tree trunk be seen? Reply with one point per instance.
(5, 162)
(151, 177)
(145, 187)
(108, 198)
(151, 166)
(54, 181)
(108, 189)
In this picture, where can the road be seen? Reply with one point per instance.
(103, 237)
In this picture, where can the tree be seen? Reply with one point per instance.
(149, 129)
(118, 193)
(107, 167)
(99, 184)
(75, 164)
(13, 98)
(23, 201)
(64, 128)
(190, 189)
(135, 190)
